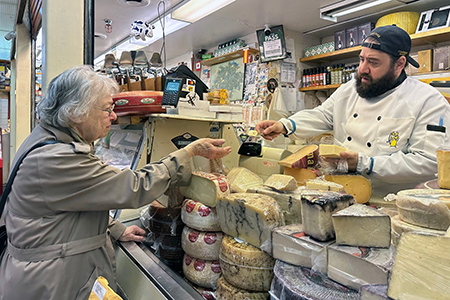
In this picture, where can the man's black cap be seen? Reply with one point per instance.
(393, 40)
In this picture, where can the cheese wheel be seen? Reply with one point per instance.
(174, 227)
(245, 266)
(226, 291)
(206, 188)
(199, 216)
(437, 194)
(399, 227)
(159, 212)
(241, 179)
(204, 273)
(207, 293)
(281, 182)
(201, 244)
(356, 185)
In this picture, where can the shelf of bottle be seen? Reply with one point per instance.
(227, 57)
(320, 87)
(333, 56)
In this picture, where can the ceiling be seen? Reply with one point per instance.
(240, 18)
(8, 10)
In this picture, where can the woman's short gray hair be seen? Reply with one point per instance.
(72, 95)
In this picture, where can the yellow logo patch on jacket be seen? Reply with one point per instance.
(393, 139)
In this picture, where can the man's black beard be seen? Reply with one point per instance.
(376, 88)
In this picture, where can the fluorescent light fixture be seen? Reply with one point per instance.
(195, 10)
(342, 8)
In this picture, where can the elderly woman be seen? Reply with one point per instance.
(57, 211)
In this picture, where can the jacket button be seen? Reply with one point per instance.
(349, 138)
(379, 118)
(355, 115)
(369, 144)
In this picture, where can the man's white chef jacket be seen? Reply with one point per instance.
(390, 129)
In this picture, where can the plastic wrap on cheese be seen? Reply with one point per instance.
(299, 283)
(399, 227)
(307, 157)
(226, 291)
(426, 212)
(250, 217)
(356, 266)
(373, 292)
(245, 266)
(206, 188)
(241, 179)
(290, 244)
(421, 268)
(289, 202)
(320, 183)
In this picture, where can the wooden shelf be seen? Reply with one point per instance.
(332, 56)
(319, 88)
(227, 57)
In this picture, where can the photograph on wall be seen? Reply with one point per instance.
(229, 75)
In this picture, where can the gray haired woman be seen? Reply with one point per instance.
(56, 215)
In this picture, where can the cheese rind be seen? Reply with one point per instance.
(201, 244)
(204, 273)
(355, 266)
(360, 225)
(289, 202)
(373, 292)
(317, 209)
(226, 291)
(290, 244)
(281, 182)
(356, 185)
(331, 151)
(298, 283)
(241, 179)
(421, 268)
(206, 188)
(250, 217)
(306, 157)
(425, 212)
(399, 227)
(437, 194)
(245, 266)
(199, 216)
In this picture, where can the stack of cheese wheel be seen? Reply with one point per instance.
(202, 236)
(247, 266)
(423, 210)
(166, 227)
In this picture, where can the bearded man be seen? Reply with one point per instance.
(391, 124)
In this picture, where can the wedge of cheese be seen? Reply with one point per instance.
(399, 228)
(250, 217)
(425, 212)
(317, 209)
(421, 268)
(301, 175)
(356, 185)
(241, 179)
(330, 151)
(362, 226)
(322, 184)
(226, 291)
(307, 157)
(281, 182)
(206, 188)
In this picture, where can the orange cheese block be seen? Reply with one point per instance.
(301, 175)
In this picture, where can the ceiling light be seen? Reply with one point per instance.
(195, 10)
(345, 7)
(135, 3)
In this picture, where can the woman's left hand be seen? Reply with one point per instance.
(133, 233)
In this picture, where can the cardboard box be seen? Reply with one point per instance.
(425, 60)
(441, 58)
(351, 37)
(364, 30)
(339, 40)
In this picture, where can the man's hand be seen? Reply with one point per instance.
(133, 233)
(352, 159)
(270, 129)
(208, 148)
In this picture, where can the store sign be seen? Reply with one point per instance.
(272, 44)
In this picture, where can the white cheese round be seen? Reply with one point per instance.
(199, 216)
(204, 273)
(201, 244)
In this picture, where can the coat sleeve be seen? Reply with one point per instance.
(116, 228)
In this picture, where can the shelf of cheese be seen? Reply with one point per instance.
(227, 57)
(418, 39)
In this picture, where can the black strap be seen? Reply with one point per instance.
(16, 167)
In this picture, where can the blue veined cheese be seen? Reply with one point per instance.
(226, 291)
(421, 268)
(360, 225)
(250, 217)
(290, 203)
(317, 209)
(356, 266)
(299, 283)
(373, 292)
(290, 244)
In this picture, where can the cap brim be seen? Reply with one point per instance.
(412, 61)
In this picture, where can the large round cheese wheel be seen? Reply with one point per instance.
(204, 273)
(399, 227)
(437, 194)
(225, 291)
(201, 244)
(246, 266)
(199, 216)
(406, 20)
